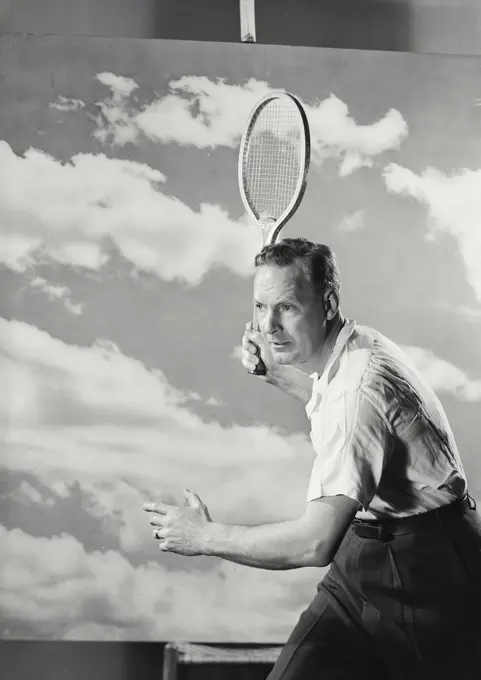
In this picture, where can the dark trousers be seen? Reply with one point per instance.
(405, 605)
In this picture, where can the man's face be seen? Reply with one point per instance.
(290, 316)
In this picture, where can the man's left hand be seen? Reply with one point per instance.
(180, 529)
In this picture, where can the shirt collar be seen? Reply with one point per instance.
(321, 381)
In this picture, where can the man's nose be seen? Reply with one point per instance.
(271, 323)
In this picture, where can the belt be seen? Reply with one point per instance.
(384, 529)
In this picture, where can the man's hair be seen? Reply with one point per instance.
(317, 260)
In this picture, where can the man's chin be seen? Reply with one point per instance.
(285, 358)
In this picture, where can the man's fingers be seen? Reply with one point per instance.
(157, 521)
(159, 508)
(250, 361)
(249, 346)
(192, 499)
(252, 335)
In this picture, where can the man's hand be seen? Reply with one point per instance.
(181, 530)
(255, 350)
(289, 379)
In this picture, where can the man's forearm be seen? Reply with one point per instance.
(280, 546)
(292, 381)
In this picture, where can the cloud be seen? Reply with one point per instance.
(336, 133)
(114, 122)
(212, 401)
(57, 293)
(17, 251)
(29, 494)
(206, 114)
(97, 417)
(54, 585)
(201, 112)
(67, 104)
(72, 212)
(443, 376)
(470, 314)
(353, 222)
(453, 203)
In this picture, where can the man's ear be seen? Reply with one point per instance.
(330, 301)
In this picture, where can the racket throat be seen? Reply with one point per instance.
(267, 229)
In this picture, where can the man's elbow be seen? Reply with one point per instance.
(320, 555)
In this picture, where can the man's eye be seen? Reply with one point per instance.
(287, 307)
(259, 305)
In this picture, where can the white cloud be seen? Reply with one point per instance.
(201, 112)
(29, 494)
(204, 113)
(444, 376)
(470, 314)
(95, 416)
(67, 104)
(336, 133)
(120, 85)
(57, 587)
(353, 222)
(57, 293)
(72, 212)
(453, 203)
(212, 401)
(114, 123)
(16, 252)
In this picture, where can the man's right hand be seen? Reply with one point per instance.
(255, 352)
(289, 379)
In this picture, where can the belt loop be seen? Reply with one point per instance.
(384, 534)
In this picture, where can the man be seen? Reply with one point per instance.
(387, 504)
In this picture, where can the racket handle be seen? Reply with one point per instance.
(260, 369)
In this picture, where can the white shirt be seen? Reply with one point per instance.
(380, 433)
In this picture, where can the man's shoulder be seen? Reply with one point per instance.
(349, 368)
(369, 341)
(368, 358)
(383, 370)
(368, 335)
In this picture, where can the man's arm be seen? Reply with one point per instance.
(292, 381)
(310, 541)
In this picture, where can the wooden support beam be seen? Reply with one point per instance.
(247, 20)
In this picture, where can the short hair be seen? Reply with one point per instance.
(317, 260)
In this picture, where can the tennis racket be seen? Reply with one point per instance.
(274, 159)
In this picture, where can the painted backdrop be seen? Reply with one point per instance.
(126, 271)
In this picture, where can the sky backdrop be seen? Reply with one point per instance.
(125, 278)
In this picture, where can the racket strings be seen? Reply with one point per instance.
(272, 161)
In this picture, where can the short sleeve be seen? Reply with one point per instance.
(352, 440)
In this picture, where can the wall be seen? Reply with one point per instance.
(440, 26)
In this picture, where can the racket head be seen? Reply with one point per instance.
(274, 160)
